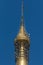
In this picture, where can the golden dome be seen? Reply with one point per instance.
(22, 35)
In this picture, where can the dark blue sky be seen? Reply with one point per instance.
(10, 18)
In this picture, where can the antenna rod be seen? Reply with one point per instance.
(22, 13)
(22, 8)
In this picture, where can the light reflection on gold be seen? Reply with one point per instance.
(22, 61)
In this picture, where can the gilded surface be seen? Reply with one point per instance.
(22, 35)
(22, 60)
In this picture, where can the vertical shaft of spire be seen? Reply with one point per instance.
(22, 13)
(22, 8)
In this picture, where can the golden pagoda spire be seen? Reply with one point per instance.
(22, 35)
(22, 43)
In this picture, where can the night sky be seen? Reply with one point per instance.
(10, 19)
